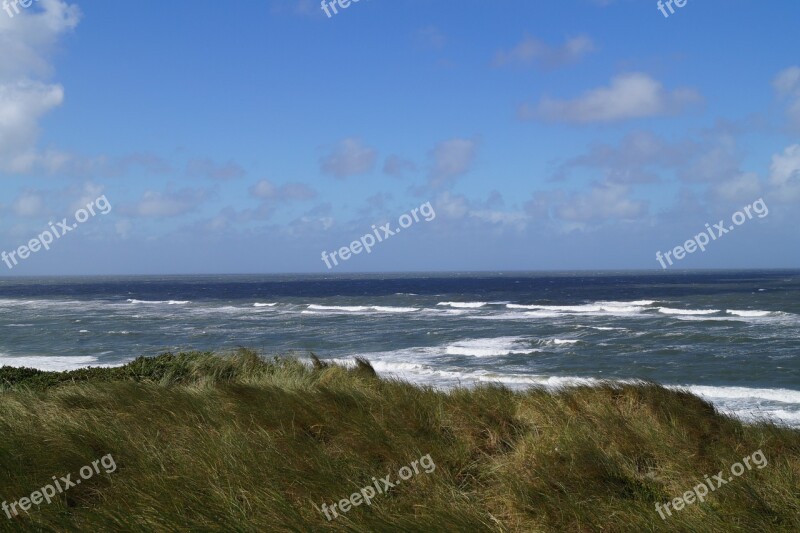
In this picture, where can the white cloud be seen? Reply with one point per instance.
(452, 206)
(28, 204)
(451, 159)
(350, 157)
(170, 203)
(602, 202)
(744, 187)
(629, 96)
(266, 190)
(787, 85)
(88, 192)
(785, 173)
(208, 169)
(27, 40)
(397, 166)
(531, 51)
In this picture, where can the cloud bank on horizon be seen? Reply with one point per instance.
(584, 134)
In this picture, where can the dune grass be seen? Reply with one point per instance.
(204, 442)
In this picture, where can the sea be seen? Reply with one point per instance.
(732, 337)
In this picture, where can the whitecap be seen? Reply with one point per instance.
(749, 313)
(463, 305)
(490, 347)
(670, 311)
(51, 363)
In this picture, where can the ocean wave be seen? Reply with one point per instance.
(344, 308)
(491, 347)
(737, 393)
(670, 311)
(596, 308)
(49, 362)
(168, 302)
(752, 404)
(257, 304)
(748, 404)
(385, 309)
(750, 313)
(559, 342)
(527, 315)
(463, 305)
(359, 309)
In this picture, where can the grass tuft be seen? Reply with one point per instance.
(240, 442)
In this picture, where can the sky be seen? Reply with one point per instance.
(252, 136)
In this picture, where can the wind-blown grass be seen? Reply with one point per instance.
(239, 443)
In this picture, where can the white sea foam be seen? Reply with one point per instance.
(670, 311)
(257, 304)
(491, 347)
(749, 313)
(559, 342)
(344, 308)
(596, 308)
(463, 305)
(752, 404)
(778, 405)
(527, 315)
(732, 393)
(168, 302)
(52, 363)
(360, 309)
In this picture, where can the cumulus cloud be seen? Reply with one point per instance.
(744, 187)
(628, 96)
(208, 169)
(635, 160)
(532, 51)
(478, 214)
(787, 85)
(28, 204)
(785, 173)
(642, 157)
(266, 190)
(155, 204)
(27, 41)
(350, 157)
(450, 160)
(397, 166)
(602, 202)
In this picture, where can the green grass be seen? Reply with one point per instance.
(239, 443)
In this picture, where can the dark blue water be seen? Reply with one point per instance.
(730, 336)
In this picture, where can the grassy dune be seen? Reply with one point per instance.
(238, 443)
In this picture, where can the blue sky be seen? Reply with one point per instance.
(248, 137)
